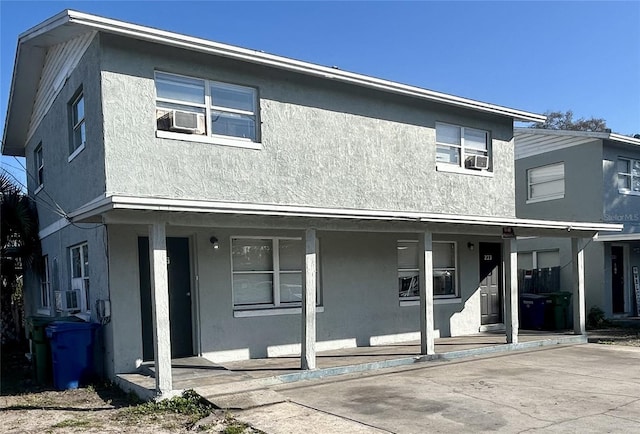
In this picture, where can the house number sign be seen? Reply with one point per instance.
(636, 286)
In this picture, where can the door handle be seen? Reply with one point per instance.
(188, 294)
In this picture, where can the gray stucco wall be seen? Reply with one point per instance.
(583, 184)
(56, 248)
(76, 182)
(359, 293)
(324, 144)
(618, 207)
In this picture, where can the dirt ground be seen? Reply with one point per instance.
(28, 408)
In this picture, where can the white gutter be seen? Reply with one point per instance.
(569, 133)
(104, 204)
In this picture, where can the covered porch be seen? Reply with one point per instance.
(218, 382)
(161, 219)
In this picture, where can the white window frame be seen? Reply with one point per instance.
(444, 166)
(77, 124)
(45, 287)
(631, 176)
(439, 299)
(208, 107)
(39, 163)
(530, 172)
(81, 283)
(276, 307)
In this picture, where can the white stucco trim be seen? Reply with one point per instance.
(112, 202)
(248, 313)
(456, 300)
(620, 237)
(53, 228)
(451, 168)
(211, 140)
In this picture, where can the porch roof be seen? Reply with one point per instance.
(114, 209)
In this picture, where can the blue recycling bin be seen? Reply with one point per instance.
(71, 352)
(532, 311)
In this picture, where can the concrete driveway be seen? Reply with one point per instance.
(581, 388)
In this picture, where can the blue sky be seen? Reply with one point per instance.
(534, 56)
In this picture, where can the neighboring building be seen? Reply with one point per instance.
(583, 176)
(298, 207)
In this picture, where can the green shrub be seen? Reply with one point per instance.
(596, 318)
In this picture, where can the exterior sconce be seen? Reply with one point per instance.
(214, 243)
(471, 246)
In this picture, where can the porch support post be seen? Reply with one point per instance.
(308, 344)
(160, 307)
(577, 262)
(510, 254)
(425, 267)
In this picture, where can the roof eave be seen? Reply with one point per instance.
(584, 134)
(258, 57)
(14, 132)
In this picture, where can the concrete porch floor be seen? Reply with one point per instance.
(212, 380)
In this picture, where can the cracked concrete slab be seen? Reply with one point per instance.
(291, 418)
(582, 388)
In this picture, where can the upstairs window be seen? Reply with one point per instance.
(545, 182)
(444, 270)
(198, 107)
(78, 132)
(39, 163)
(629, 176)
(464, 147)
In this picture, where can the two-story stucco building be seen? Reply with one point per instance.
(217, 201)
(584, 176)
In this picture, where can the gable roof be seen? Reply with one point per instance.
(32, 47)
(535, 141)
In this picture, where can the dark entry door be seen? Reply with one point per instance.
(490, 283)
(179, 279)
(617, 279)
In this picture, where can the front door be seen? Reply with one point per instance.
(179, 279)
(490, 283)
(617, 279)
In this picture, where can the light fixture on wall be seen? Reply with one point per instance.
(214, 243)
(471, 246)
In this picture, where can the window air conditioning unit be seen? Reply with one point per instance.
(186, 121)
(67, 301)
(480, 162)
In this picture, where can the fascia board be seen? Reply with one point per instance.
(254, 56)
(103, 204)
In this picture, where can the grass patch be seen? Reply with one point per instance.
(72, 423)
(189, 405)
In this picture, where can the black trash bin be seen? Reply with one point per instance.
(557, 310)
(41, 353)
(532, 309)
(71, 352)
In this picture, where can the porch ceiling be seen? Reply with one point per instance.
(180, 212)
